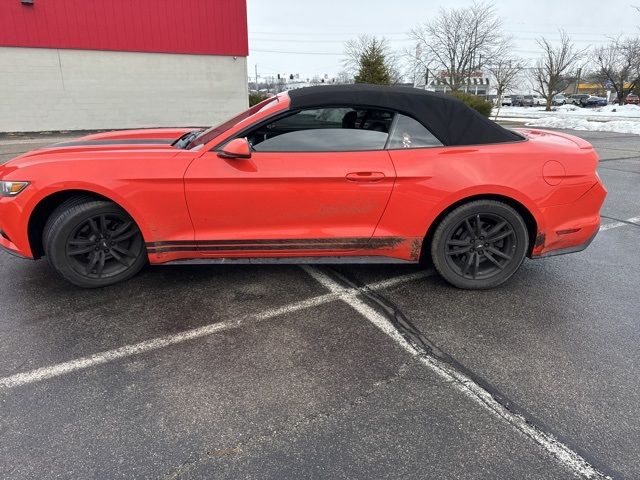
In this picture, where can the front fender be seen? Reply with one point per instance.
(91, 188)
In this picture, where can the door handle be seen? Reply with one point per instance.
(365, 176)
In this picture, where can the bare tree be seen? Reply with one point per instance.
(460, 41)
(550, 75)
(356, 48)
(618, 65)
(505, 73)
(344, 77)
(420, 67)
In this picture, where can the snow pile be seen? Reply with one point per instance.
(618, 126)
(609, 112)
(567, 108)
(610, 118)
(625, 110)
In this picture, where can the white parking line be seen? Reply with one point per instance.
(462, 382)
(351, 295)
(336, 295)
(101, 358)
(609, 226)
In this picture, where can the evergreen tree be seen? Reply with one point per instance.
(373, 65)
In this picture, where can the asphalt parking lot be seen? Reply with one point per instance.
(331, 372)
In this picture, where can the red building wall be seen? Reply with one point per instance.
(209, 27)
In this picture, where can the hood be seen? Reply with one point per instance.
(153, 137)
(147, 139)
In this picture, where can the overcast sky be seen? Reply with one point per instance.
(307, 37)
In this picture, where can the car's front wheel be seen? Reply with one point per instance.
(480, 244)
(93, 243)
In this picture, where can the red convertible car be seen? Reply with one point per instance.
(322, 174)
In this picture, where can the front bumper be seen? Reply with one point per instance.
(8, 246)
(14, 225)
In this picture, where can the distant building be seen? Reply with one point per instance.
(476, 83)
(584, 87)
(100, 64)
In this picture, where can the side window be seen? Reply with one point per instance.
(409, 133)
(325, 130)
(324, 140)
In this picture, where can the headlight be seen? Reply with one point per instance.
(11, 189)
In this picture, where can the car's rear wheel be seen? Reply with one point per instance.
(93, 243)
(480, 244)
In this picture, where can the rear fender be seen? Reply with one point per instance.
(495, 192)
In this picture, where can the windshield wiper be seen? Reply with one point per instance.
(186, 139)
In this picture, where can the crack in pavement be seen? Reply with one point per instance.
(146, 346)
(628, 221)
(381, 311)
(620, 170)
(602, 160)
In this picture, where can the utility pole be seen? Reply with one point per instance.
(418, 61)
(575, 90)
(426, 78)
(257, 86)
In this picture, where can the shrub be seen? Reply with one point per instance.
(477, 103)
(256, 97)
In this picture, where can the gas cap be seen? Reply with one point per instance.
(553, 172)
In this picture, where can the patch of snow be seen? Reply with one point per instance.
(567, 108)
(618, 126)
(626, 110)
(606, 113)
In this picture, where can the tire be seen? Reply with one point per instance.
(93, 243)
(475, 258)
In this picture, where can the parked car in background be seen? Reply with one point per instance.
(539, 101)
(577, 99)
(632, 99)
(506, 101)
(594, 101)
(523, 101)
(559, 99)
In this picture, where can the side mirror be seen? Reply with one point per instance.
(236, 148)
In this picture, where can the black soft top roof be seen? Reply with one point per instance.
(449, 119)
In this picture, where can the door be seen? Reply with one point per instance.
(317, 182)
(419, 160)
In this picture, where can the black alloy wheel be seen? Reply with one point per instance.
(104, 245)
(480, 244)
(93, 243)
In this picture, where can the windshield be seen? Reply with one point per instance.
(211, 133)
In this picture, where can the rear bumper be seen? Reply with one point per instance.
(566, 250)
(570, 228)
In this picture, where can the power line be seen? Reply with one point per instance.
(292, 52)
(289, 33)
(304, 40)
(407, 39)
(406, 33)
